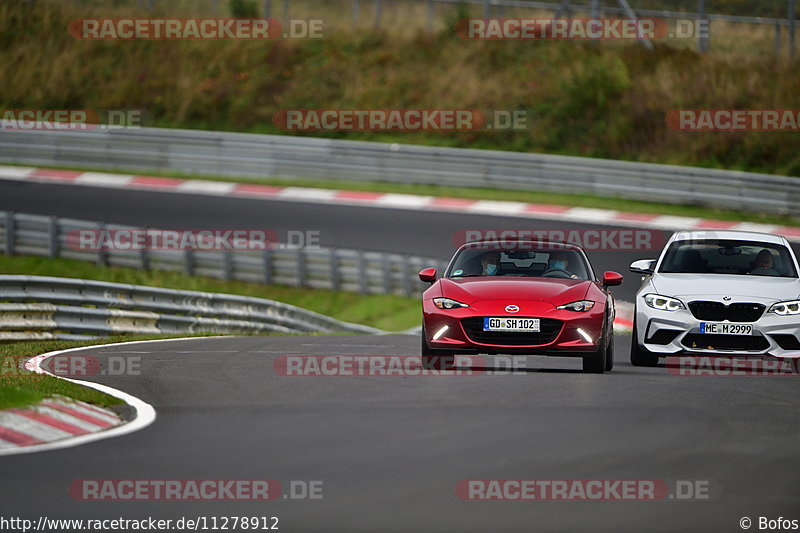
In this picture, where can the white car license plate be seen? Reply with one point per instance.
(511, 324)
(726, 328)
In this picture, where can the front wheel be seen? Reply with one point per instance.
(640, 356)
(595, 362)
(598, 362)
(610, 354)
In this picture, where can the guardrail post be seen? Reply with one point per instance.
(429, 10)
(702, 39)
(407, 273)
(102, 253)
(777, 39)
(564, 11)
(52, 233)
(791, 15)
(334, 259)
(363, 286)
(378, 12)
(227, 265)
(188, 262)
(267, 8)
(355, 9)
(144, 258)
(387, 274)
(301, 267)
(286, 11)
(487, 9)
(267, 266)
(11, 233)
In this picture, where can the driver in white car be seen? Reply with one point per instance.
(764, 265)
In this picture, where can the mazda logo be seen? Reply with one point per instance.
(512, 309)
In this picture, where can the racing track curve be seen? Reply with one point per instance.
(390, 450)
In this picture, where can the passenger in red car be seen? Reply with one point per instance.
(490, 264)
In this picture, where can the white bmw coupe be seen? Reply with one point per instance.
(718, 292)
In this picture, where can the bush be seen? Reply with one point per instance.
(244, 9)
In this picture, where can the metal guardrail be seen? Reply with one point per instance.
(38, 307)
(254, 155)
(318, 268)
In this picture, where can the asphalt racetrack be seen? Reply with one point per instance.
(422, 233)
(390, 450)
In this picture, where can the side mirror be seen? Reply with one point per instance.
(427, 275)
(611, 279)
(643, 266)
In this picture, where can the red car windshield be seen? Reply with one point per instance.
(548, 263)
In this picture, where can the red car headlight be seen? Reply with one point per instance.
(447, 303)
(580, 306)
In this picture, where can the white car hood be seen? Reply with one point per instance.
(715, 286)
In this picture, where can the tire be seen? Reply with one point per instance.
(433, 359)
(597, 362)
(640, 356)
(610, 354)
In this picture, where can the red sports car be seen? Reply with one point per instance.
(519, 297)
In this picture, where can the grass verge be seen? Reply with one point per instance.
(21, 388)
(607, 99)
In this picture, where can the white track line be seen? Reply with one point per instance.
(145, 413)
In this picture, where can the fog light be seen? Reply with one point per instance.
(585, 335)
(439, 333)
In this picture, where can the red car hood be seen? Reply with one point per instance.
(552, 290)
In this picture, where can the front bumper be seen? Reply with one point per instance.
(673, 332)
(457, 329)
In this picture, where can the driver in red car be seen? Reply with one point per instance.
(559, 261)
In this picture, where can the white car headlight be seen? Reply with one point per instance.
(447, 303)
(663, 303)
(791, 307)
(580, 306)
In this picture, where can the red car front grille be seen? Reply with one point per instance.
(549, 330)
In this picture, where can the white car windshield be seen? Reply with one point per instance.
(728, 257)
